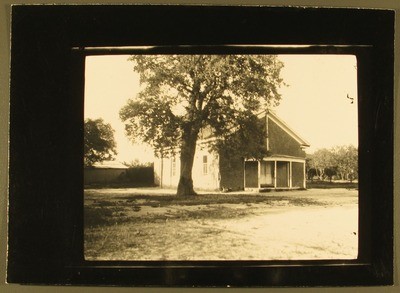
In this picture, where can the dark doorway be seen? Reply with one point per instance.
(282, 174)
(251, 174)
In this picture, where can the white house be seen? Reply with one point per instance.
(283, 167)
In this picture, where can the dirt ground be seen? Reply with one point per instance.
(151, 224)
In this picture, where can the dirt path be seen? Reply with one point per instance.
(297, 233)
(267, 232)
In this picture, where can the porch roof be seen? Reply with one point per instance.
(277, 157)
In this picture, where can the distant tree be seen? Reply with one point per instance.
(311, 171)
(183, 94)
(322, 160)
(137, 163)
(99, 142)
(346, 159)
(330, 172)
(339, 160)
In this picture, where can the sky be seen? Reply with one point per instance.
(314, 102)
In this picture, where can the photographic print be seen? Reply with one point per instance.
(220, 157)
(201, 146)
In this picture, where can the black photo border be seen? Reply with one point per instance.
(49, 45)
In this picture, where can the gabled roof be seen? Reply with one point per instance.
(206, 134)
(282, 124)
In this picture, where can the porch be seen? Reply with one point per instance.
(275, 173)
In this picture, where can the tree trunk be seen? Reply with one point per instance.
(185, 185)
(162, 172)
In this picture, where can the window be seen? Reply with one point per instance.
(205, 167)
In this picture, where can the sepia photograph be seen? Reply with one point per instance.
(201, 146)
(220, 157)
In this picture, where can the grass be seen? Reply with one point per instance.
(203, 199)
(134, 226)
(333, 184)
(104, 216)
(117, 185)
(120, 209)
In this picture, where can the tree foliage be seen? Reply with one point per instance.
(341, 161)
(322, 159)
(346, 159)
(150, 120)
(247, 141)
(99, 143)
(182, 94)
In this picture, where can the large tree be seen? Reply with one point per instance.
(99, 142)
(182, 94)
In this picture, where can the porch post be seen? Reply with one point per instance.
(275, 168)
(259, 174)
(290, 174)
(304, 175)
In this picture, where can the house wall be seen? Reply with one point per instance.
(232, 172)
(251, 174)
(205, 174)
(166, 172)
(281, 143)
(297, 174)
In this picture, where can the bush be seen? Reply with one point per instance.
(139, 176)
